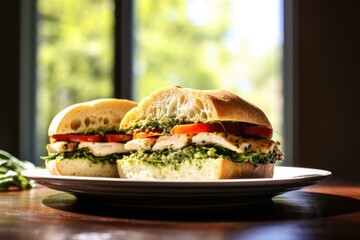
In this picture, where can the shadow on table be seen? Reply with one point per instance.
(292, 205)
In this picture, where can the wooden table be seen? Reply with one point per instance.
(328, 210)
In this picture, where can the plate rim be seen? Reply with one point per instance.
(315, 175)
(174, 194)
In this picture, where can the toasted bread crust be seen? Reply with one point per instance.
(196, 106)
(100, 113)
(229, 169)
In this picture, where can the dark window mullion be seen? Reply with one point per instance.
(123, 65)
(290, 73)
(27, 90)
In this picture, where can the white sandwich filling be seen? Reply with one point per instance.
(103, 148)
(96, 148)
(178, 141)
(173, 142)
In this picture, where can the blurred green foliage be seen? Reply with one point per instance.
(75, 56)
(178, 42)
(172, 50)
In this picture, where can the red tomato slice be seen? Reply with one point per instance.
(233, 128)
(145, 134)
(117, 137)
(77, 138)
(197, 128)
(258, 131)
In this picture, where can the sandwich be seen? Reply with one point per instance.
(188, 134)
(85, 139)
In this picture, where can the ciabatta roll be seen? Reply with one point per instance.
(85, 139)
(189, 134)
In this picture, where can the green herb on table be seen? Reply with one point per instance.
(10, 173)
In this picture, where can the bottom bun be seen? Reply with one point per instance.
(81, 167)
(204, 169)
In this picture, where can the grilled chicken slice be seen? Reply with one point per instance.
(176, 141)
(141, 143)
(262, 145)
(228, 141)
(103, 148)
(61, 146)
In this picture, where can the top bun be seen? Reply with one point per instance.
(105, 113)
(195, 106)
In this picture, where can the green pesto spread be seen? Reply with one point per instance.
(192, 153)
(163, 124)
(84, 153)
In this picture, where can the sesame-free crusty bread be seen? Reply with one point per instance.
(196, 106)
(201, 169)
(105, 113)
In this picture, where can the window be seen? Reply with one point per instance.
(228, 44)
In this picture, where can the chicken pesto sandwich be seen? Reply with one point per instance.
(85, 139)
(189, 134)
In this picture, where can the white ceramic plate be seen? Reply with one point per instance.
(180, 194)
